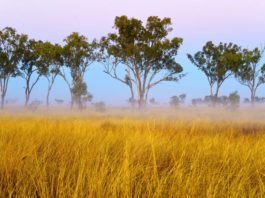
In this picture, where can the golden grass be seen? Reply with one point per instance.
(130, 157)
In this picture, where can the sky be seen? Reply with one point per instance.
(196, 21)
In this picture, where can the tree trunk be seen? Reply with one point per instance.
(27, 92)
(48, 98)
(253, 96)
(2, 101)
(132, 97)
(217, 92)
(211, 90)
(3, 88)
(70, 89)
(50, 84)
(146, 94)
(72, 100)
(141, 101)
(141, 104)
(215, 98)
(80, 105)
(27, 99)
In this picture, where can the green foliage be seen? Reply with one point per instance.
(79, 89)
(78, 54)
(9, 52)
(217, 62)
(10, 56)
(145, 47)
(143, 51)
(30, 58)
(174, 101)
(247, 70)
(33, 61)
(234, 100)
(80, 93)
(251, 73)
(50, 57)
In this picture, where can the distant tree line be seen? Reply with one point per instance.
(139, 55)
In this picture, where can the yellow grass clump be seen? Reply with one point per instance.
(130, 157)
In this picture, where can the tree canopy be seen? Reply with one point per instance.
(31, 68)
(217, 62)
(143, 51)
(139, 54)
(251, 72)
(51, 58)
(10, 43)
(78, 54)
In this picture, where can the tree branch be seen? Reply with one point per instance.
(35, 82)
(168, 77)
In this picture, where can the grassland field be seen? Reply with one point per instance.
(123, 153)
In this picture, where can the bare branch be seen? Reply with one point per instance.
(35, 82)
(168, 77)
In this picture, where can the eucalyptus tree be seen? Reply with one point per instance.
(78, 55)
(144, 53)
(51, 59)
(233, 100)
(251, 72)
(30, 69)
(217, 62)
(81, 94)
(9, 58)
(111, 63)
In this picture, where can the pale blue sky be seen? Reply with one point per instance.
(196, 21)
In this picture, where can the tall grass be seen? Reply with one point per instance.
(111, 157)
